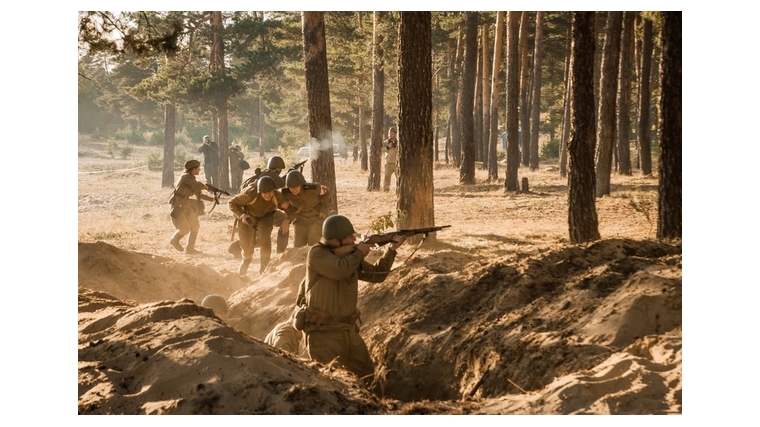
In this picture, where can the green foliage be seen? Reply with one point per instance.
(131, 135)
(104, 235)
(180, 157)
(113, 148)
(126, 151)
(550, 150)
(154, 160)
(381, 223)
(156, 138)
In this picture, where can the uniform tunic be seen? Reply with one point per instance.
(304, 213)
(262, 213)
(186, 210)
(332, 289)
(284, 336)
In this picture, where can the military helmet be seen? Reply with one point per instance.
(294, 178)
(192, 164)
(337, 227)
(216, 303)
(276, 162)
(265, 184)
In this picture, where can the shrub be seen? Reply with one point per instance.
(126, 151)
(113, 147)
(156, 138)
(154, 160)
(131, 135)
(550, 150)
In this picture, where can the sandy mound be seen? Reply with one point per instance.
(563, 329)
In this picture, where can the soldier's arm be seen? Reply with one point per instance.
(326, 263)
(237, 203)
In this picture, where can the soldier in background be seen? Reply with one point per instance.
(390, 148)
(185, 211)
(210, 151)
(309, 205)
(255, 210)
(236, 167)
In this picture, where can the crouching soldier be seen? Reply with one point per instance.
(309, 205)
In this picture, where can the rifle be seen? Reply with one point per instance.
(216, 192)
(298, 166)
(384, 238)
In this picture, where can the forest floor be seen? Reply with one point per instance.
(499, 314)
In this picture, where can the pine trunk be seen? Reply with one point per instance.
(524, 90)
(624, 94)
(582, 218)
(415, 90)
(467, 169)
(378, 107)
(645, 89)
(493, 166)
(513, 94)
(318, 100)
(535, 110)
(669, 220)
(167, 177)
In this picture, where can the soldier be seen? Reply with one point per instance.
(255, 210)
(185, 211)
(210, 151)
(310, 204)
(334, 267)
(390, 148)
(216, 303)
(284, 336)
(236, 171)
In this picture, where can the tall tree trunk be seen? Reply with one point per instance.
(525, 80)
(486, 99)
(536, 98)
(218, 70)
(582, 219)
(477, 108)
(493, 166)
(262, 147)
(467, 169)
(362, 138)
(167, 177)
(605, 126)
(624, 94)
(451, 125)
(645, 89)
(318, 100)
(669, 219)
(456, 134)
(513, 94)
(567, 105)
(378, 108)
(415, 88)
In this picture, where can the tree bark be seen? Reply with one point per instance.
(669, 218)
(415, 90)
(216, 64)
(167, 177)
(605, 127)
(582, 218)
(452, 122)
(645, 89)
(456, 135)
(567, 105)
(467, 169)
(477, 108)
(493, 166)
(318, 101)
(486, 99)
(378, 107)
(524, 89)
(536, 98)
(624, 94)
(513, 94)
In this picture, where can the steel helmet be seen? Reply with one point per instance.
(216, 303)
(337, 227)
(294, 178)
(265, 184)
(276, 162)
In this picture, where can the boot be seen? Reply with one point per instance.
(190, 249)
(175, 241)
(282, 241)
(243, 270)
(235, 249)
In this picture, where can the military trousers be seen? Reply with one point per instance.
(345, 346)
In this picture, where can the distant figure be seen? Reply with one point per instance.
(284, 336)
(216, 303)
(210, 151)
(185, 211)
(390, 148)
(236, 167)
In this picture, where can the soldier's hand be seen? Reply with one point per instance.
(364, 247)
(397, 241)
(323, 190)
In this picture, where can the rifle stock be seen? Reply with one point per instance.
(384, 238)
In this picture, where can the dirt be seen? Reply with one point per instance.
(498, 314)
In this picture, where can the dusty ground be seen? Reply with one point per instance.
(500, 315)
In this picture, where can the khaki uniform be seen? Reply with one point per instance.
(210, 162)
(185, 211)
(236, 174)
(304, 213)
(262, 212)
(391, 156)
(332, 290)
(284, 336)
